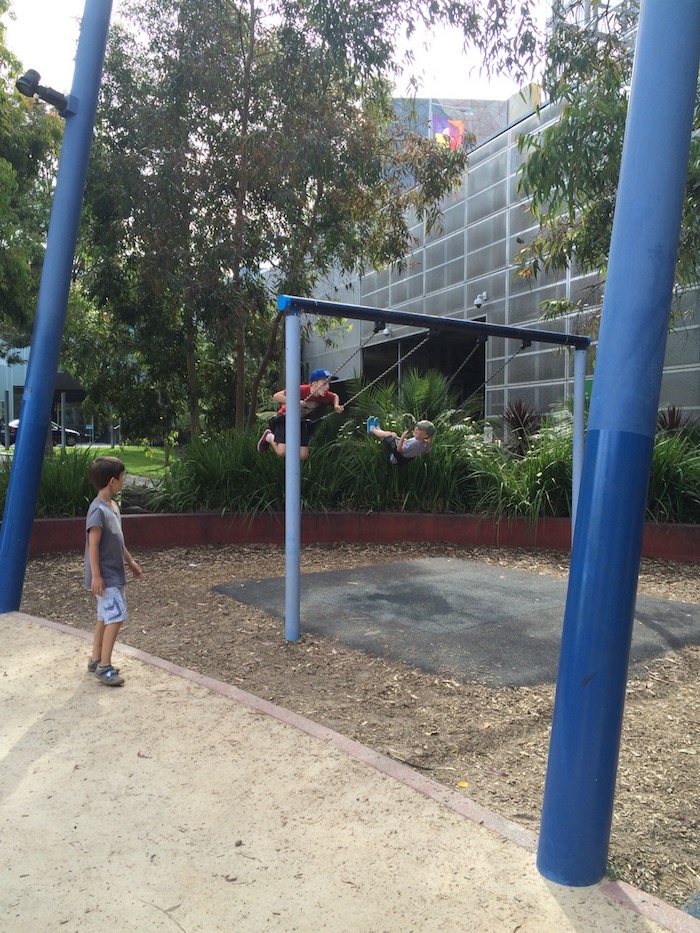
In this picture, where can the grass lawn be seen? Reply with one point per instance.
(139, 461)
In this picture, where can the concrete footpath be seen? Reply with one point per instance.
(180, 803)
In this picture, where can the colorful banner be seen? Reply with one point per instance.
(448, 132)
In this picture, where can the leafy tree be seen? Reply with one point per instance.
(29, 139)
(572, 167)
(243, 150)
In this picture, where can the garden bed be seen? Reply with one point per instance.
(53, 535)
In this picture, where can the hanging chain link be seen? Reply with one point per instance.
(386, 372)
(523, 346)
(479, 343)
(379, 378)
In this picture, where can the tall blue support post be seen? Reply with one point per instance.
(579, 431)
(23, 488)
(585, 742)
(292, 479)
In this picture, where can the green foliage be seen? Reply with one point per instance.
(674, 482)
(300, 166)
(522, 422)
(349, 471)
(30, 137)
(64, 488)
(536, 485)
(138, 461)
(673, 420)
(222, 474)
(571, 169)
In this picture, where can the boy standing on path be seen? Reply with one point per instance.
(105, 557)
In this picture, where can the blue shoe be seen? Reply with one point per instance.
(370, 425)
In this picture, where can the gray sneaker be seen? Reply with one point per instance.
(109, 676)
(93, 665)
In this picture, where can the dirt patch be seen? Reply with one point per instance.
(489, 743)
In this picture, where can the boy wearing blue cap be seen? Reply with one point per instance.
(313, 394)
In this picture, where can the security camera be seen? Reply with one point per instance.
(28, 84)
(480, 299)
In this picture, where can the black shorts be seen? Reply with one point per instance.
(391, 444)
(277, 425)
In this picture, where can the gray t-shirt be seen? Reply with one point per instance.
(412, 448)
(100, 515)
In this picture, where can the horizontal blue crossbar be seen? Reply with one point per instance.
(436, 324)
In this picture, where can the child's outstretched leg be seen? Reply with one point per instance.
(374, 429)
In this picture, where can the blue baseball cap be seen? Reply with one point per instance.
(318, 374)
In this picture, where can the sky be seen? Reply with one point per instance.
(44, 36)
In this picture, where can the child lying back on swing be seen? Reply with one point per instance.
(403, 449)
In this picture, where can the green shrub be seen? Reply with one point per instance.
(64, 488)
(348, 470)
(674, 480)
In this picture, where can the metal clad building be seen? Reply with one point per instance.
(466, 270)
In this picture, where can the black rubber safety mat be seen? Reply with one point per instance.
(477, 622)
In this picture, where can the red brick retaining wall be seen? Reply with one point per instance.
(666, 542)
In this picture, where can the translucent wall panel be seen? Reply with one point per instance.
(487, 202)
(486, 172)
(524, 307)
(682, 347)
(486, 231)
(444, 276)
(448, 302)
(485, 261)
(522, 223)
(452, 221)
(681, 389)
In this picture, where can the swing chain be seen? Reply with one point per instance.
(381, 376)
(523, 346)
(386, 372)
(480, 341)
(361, 347)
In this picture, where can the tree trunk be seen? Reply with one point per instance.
(192, 375)
(269, 353)
(240, 378)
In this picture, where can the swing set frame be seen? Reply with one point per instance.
(293, 307)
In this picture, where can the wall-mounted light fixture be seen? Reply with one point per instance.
(386, 331)
(29, 86)
(480, 299)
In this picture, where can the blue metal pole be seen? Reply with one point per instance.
(292, 479)
(579, 430)
(585, 742)
(23, 488)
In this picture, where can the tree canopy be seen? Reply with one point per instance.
(29, 139)
(241, 150)
(572, 167)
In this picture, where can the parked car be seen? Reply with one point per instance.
(72, 437)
